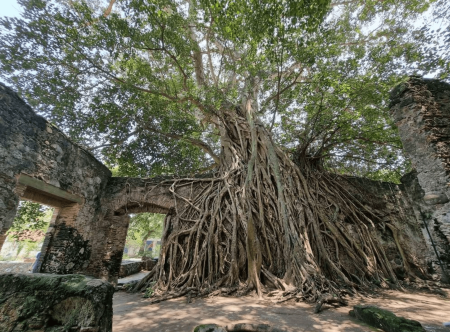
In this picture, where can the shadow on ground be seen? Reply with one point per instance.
(132, 313)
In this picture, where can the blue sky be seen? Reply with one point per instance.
(9, 8)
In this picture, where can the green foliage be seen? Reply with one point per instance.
(437, 33)
(30, 216)
(143, 226)
(28, 245)
(145, 223)
(262, 23)
(149, 291)
(145, 86)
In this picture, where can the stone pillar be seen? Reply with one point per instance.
(10, 191)
(2, 238)
(115, 233)
(421, 111)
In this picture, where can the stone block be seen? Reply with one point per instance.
(128, 268)
(237, 328)
(148, 263)
(435, 197)
(209, 328)
(30, 302)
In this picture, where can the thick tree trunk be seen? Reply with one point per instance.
(144, 242)
(264, 223)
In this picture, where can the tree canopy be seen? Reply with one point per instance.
(437, 46)
(141, 83)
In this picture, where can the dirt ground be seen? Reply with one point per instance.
(132, 313)
(15, 267)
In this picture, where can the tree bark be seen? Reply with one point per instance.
(144, 241)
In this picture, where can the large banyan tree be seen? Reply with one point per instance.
(269, 100)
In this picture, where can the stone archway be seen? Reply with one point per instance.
(125, 196)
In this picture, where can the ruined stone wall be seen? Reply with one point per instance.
(89, 226)
(38, 162)
(421, 111)
(389, 205)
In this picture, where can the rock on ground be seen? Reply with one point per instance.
(53, 303)
(385, 320)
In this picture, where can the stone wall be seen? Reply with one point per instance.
(43, 302)
(129, 267)
(38, 162)
(421, 111)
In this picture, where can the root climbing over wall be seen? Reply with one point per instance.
(264, 223)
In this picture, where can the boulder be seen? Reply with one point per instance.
(242, 327)
(384, 319)
(209, 328)
(52, 303)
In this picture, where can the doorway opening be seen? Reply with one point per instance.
(144, 236)
(142, 245)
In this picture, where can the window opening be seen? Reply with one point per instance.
(25, 237)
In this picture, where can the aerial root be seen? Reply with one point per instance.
(329, 299)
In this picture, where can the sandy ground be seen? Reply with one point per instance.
(132, 313)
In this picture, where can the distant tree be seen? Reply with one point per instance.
(30, 216)
(143, 226)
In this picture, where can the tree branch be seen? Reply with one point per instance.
(202, 145)
(197, 56)
(279, 92)
(109, 9)
(211, 67)
(199, 143)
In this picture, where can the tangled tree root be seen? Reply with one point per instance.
(265, 223)
(329, 299)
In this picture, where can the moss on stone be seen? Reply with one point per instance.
(385, 320)
(209, 328)
(74, 311)
(57, 302)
